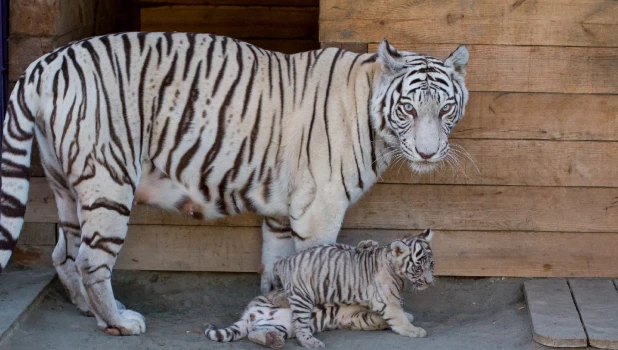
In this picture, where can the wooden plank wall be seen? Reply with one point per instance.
(281, 25)
(541, 126)
(540, 199)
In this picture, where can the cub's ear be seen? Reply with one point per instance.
(427, 235)
(458, 60)
(391, 60)
(398, 248)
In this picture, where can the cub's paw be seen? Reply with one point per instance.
(267, 280)
(367, 244)
(131, 323)
(274, 340)
(311, 343)
(416, 332)
(410, 317)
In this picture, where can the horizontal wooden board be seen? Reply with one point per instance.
(38, 255)
(444, 207)
(518, 162)
(539, 116)
(288, 46)
(34, 233)
(521, 22)
(532, 68)
(154, 3)
(240, 22)
(35, 245)
(457, 253)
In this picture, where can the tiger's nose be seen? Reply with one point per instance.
(424, 155)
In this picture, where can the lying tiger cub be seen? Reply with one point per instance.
(267, 319)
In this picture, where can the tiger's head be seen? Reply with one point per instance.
(412, 259)
(418, 100)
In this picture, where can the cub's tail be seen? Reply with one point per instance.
(17, 137)
(237, 331)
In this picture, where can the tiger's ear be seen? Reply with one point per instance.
(398, 248)
(458, 60)
(391, 60)
(427, 235)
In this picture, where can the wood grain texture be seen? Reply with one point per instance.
(239, 22)
(554, 317)
(444, 207)
(507, 22)
(353, 47)
(457, 253)
(597, 302)
(43, 234)
(36, 244)
(539, 116)
(155, 3)
(288, 46)
(520, 162)
(532, 68)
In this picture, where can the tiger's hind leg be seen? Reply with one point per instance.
(66, 250)
(357, 318)
(302, 310)
(277, 244)
(104, 208)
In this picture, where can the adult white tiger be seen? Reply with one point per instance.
(215, 127)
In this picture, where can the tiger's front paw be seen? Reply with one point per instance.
(130, 323)
(410, 317)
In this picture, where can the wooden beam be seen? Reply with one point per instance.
(559, 22)
(539, 116)
(288, 46)
(155, 3)
(457, 253)
(353, 47)
(35, 245)
(239, 22)
(444, 207)
(521, 162)
(532, 68)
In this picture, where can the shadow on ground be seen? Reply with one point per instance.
(458, 313)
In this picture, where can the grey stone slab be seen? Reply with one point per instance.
(555, 321)
(597, 302)
(20, 288)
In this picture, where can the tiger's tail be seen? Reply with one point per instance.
(237, 331)
(17, 137)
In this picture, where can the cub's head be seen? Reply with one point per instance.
(412, 259)
(418, 101)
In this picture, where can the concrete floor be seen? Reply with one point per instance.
(458, 313)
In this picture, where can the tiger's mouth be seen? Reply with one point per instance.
(422, 166)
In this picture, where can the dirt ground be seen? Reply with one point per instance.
(458, 313)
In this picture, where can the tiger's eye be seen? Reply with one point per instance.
(446, 108)
(408, 107)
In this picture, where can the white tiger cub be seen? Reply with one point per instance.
(267, 319)
(336, 274)
(214, 127)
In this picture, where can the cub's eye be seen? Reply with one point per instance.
(447, 107)
(408, 107)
